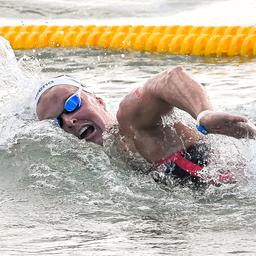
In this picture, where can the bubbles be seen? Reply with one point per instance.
(250, 170)
(30, 66)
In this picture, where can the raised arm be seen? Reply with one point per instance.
(178, 89)
(143, 108)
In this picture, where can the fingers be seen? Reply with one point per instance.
(236, 118)
(252, 129)
(243, 130)
(252, 125)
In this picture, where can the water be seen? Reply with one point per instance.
(61, 196)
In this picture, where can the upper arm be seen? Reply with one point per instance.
(141, 109)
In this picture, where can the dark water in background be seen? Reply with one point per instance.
(61, 196)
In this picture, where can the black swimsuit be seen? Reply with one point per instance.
(187, 166)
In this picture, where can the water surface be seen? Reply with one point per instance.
(61, 196)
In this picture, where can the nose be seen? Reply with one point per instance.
(69, 120)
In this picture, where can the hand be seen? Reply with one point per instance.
(228, 124)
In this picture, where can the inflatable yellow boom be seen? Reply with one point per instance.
(189, 40)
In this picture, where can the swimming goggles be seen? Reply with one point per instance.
(72, 104)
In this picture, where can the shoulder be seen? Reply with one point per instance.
(130, 107)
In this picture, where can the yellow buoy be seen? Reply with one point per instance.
(189, 40)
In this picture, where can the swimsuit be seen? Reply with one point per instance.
(188, 166)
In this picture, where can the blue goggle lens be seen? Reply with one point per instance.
(73, 103)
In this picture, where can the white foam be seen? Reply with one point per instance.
(15, 93)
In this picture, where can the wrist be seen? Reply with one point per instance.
(202, 128)
(202, 115)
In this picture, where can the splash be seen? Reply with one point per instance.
(17, 85)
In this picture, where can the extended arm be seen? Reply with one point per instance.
(176, 88)
(180, 90)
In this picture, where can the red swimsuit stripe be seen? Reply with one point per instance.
(183, 163)
(194, 169)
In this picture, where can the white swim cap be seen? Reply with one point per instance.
(60, 80)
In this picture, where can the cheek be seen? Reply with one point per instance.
(84, 112)
(95, 114)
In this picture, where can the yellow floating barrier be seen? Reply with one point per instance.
(188, 40)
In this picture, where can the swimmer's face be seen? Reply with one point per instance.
(88, 122)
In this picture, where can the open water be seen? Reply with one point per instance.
(61, 196)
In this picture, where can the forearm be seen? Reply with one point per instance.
(178, 89)
(175, 88)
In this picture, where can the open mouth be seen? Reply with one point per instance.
(87, 132)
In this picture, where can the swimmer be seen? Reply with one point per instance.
(178, 152)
